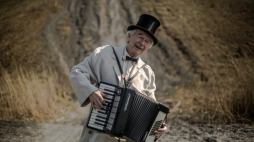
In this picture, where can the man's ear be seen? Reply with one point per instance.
(128, 37)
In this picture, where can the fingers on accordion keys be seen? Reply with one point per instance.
(102, 97)
(93, 105)
(96, 106)
(99, 103)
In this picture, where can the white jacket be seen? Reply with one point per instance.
(101, 66)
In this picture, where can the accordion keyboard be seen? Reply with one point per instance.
(104, 119)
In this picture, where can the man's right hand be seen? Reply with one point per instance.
(96, 99)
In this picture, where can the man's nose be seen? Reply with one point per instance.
(143, 42)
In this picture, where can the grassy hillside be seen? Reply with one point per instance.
(215, 38)
(205, 51)
(22, 42)
(33, 85)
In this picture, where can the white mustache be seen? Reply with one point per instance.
(139, 46)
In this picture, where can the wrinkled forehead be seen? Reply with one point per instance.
(147, 36)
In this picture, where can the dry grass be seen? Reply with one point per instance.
(242, 97)
(27, 95)
(218, 35)
(34, 93)
(220, 100)
(21, 29)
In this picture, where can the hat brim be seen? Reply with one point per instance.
(132, 27)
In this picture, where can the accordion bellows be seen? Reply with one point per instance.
(128, 113)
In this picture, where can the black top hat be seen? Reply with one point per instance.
(148, 24)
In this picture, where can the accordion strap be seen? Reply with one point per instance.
(119, 65)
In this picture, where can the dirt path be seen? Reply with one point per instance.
(182, 131)
(68, 129)
(64, 129)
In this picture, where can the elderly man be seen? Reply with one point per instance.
(101, 66)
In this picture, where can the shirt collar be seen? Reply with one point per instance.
(125, 53)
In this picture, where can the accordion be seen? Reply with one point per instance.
(128, 114)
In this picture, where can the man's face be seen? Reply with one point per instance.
(139, 42)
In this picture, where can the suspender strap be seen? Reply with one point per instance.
(131, 78)
(119, 65)
(126, 84)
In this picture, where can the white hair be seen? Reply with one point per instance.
(133, 31)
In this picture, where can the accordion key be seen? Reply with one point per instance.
(128, 114)
(104, 119)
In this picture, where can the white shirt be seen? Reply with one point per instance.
(127, 65)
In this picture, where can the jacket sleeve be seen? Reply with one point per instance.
(82, 76)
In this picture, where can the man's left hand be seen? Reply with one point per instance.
(161, 130)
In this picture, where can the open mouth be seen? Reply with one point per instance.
(138, 47)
